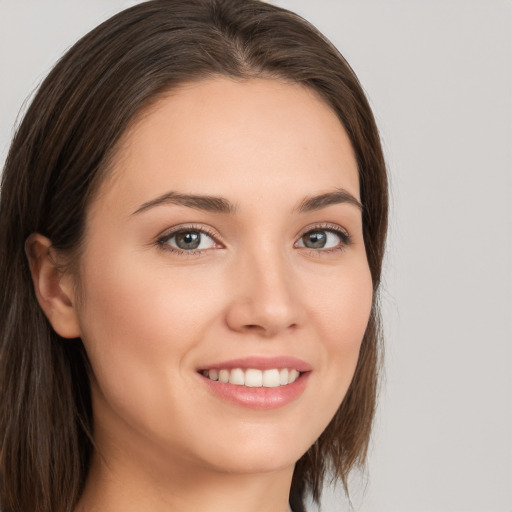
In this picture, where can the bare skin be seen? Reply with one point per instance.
(173, 285)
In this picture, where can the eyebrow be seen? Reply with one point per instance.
(199, 202)
(217, 204)
(338, 196)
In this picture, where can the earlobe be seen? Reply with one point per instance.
(54, 289)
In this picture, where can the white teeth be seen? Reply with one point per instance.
(292, 376)
(271, 378)
(254, 378)
(237, 377)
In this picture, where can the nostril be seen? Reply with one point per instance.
(267, 331)
(263, 315)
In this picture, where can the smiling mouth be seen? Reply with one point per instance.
(254, 378)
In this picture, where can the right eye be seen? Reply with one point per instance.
(187, 240)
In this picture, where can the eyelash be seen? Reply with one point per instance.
(344, 236)
(162, 240)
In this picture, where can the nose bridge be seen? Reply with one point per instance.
(265, 299)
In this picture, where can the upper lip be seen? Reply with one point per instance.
(260, 363)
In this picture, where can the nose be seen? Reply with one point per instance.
(265, 299)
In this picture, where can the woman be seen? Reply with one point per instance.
(193, 217)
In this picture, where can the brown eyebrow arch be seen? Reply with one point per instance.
(340, 195)
(199, 202)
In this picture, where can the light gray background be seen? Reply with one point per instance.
(439, 76)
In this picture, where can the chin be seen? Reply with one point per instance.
(264, 462)
(259, 454)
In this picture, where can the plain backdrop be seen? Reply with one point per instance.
(438, 74)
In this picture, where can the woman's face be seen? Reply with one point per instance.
(225, 244)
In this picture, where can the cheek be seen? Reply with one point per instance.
(343, 302)
(141, 325)
(343, 315)
(339, 316)
(134, 305)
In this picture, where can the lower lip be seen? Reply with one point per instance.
(258, 398)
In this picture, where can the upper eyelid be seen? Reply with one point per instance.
(173, 231)
(327, 226)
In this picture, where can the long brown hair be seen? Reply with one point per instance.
(58, 157)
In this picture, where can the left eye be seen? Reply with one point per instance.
(320, 239)
(190, 240)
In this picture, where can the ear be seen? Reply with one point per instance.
(54, 289)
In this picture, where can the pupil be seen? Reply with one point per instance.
(188, 240)
(315, 240)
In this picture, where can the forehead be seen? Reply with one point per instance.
(249, 136)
